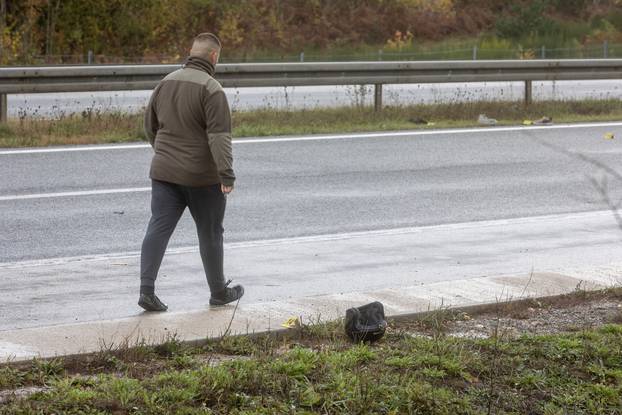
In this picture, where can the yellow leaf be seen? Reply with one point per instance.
(291, 323)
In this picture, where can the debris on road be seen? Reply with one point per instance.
(421, 121)
(485, 120)
(366, 323)
(417, 120)
(291, 323)
(544, 121)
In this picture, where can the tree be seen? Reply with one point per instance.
(52, 11)
(2, 27)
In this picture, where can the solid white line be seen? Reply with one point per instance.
(427, 132)
(78, 193)
(411, 133)
(74, 148)
(563, 218)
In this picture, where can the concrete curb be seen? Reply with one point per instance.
(196, 328)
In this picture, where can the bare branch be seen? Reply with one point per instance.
(601, 187)
(579, 156)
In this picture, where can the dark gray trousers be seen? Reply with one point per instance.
(168, 202)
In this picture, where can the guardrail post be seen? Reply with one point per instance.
(3, 108)
(377, 97)
(543, 53)
(605, 49)
(475, 52)
(89, 57)
(302, 56)
(528, 96)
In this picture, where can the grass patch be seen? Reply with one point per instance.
(93, 127)
(567, 373)
(353, 119)
(90, 127)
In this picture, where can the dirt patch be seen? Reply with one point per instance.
(25, 392)
(215, 359)
(541, 321)
(573, 312)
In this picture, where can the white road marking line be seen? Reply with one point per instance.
(74, 148)
(77, 193)
(427, 132)
(327, 137)
(566, 217)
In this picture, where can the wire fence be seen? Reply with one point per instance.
(593, 51)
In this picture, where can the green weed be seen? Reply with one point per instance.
(10, 378)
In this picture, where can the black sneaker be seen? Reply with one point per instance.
(227, 295)
(151, 302)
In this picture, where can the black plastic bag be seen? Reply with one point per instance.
(366, 323)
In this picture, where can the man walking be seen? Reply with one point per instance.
(188, 124)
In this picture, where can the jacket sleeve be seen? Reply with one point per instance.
(151, 118)
(218, 127)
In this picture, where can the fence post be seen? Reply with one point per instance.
(89, 57)
(605, 49)
(377, 97)
(3, 108)
(302, 56)
(475, 52)
(528, 96)
(543, 52)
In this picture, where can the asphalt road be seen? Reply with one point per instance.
(297, 187)
(57, 104)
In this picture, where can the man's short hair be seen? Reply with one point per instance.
(204, 43)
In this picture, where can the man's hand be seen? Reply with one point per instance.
(226, 189)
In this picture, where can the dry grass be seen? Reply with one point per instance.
(90, 127)
(355, 118)
(95, 127)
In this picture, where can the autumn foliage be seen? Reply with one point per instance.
(160, 30)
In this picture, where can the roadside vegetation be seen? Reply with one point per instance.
(419, 367)
(152, 31)
(93, 126)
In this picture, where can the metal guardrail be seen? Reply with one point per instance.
(17, 80)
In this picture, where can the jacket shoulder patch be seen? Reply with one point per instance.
(188, 75)
(212, 86)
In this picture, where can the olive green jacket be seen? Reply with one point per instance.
(188, 123)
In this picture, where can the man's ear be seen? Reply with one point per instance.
(214, 55)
